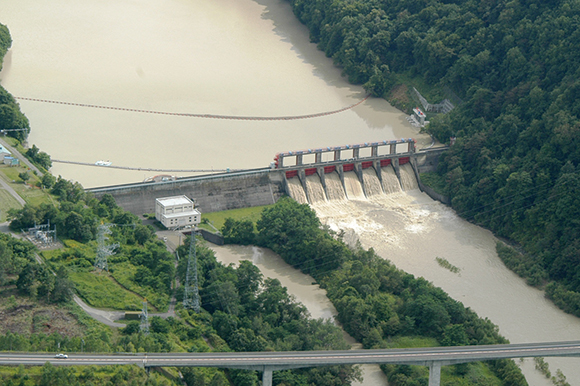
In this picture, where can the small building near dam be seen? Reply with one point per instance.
(176, 212)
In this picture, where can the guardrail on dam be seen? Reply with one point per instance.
(255, 187)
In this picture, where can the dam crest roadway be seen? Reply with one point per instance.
(391, 162)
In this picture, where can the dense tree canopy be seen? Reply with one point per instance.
(252, 313)
(377, 304)
(515, 165)
(11, 118)
(5, 42)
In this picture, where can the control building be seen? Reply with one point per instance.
(176, 212)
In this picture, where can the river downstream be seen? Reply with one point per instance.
(244, 58)
(300, 286)
(411, 230)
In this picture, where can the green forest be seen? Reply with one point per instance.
(11, 118)
(514, 64)
(241, 310)
(378, 304)
(513, 169)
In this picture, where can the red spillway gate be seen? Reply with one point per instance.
(367, 164)
(310, 171)
(291, 173)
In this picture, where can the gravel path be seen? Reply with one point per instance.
(106, 317)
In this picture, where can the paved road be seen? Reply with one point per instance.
(292, 359)
(106, 317)
(12, 192)
(22, 158)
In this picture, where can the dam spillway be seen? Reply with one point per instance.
(353, 172)
(352, 186)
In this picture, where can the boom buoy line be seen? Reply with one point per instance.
(193, 115)
(143, 169)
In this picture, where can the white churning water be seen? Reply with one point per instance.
(188, 57)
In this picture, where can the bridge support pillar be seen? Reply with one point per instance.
(267, 377)
(435, 374)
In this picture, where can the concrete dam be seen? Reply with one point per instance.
(340, 172)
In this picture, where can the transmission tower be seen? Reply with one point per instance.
(144, 327)
(104, 250)
(191, 295)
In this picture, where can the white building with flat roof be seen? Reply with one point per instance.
(176, 212)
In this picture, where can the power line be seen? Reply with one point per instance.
(191, 295)
(104, 250)
(144, 326)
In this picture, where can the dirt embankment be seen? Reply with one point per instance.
(399, 98)
(20, 315)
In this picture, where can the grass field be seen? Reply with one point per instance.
(29, 192)
(114, 290)
(217, 219)
(7, 202)
(123, 273)
(101, 291)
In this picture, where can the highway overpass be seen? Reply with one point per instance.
(267, 362)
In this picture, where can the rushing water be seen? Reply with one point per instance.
(411, 230)
(297, 191)
(315, 189)
(408, 179)
(334, 188)
(354, 190)
(371, 182)
(245, 58)
(390, 181)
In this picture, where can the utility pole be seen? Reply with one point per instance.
(191, 295)
(144, 327)
(103, 250)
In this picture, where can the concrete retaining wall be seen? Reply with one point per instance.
(428, 161)
(434, 195)
(218, 192)
(211, 193)
(213, 238)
